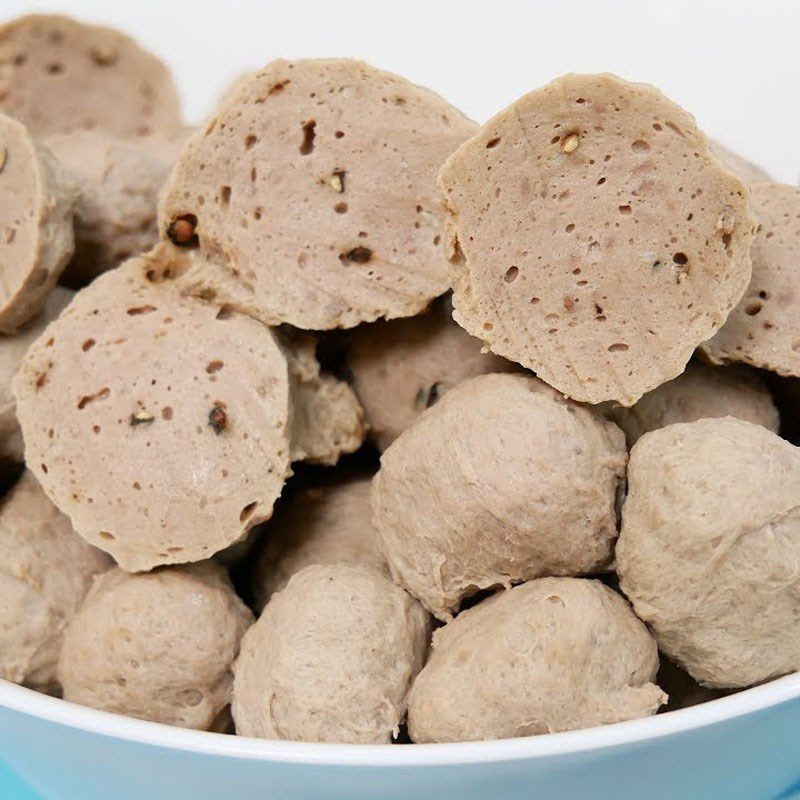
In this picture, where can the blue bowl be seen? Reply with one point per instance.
(745, 746)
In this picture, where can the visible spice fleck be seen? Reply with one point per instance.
(336, 181)
(570, 144)
(307, 144)
(135, 312)
(103, 55)
(218, 419)
(3, 158)
(360, 255)
(89, 398)
(141, 417)
(182, 231)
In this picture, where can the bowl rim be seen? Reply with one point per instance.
(62, 712)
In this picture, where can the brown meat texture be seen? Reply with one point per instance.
(159, 453)
(699, 393)
(331, 659)
(58, 75)
(604, 290)
(764, 329)
(158, 646)
(327, 419)
(37, 200)
(404, 366)
(320, 525)
(119, 181)
(46, 570)
(12, 351)
(710, 546)
(503, 480)
(745, 170)
(313, 189)
(555, 654)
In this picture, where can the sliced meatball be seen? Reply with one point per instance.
(12, 351)
(312, 194)
(159, 452)
(37, 201)
(587, 222)
(58, 75)
(764, 329)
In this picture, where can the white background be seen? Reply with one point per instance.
(735, 65)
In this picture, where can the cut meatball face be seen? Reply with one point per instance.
(46, 570)
(587, 222)
(501, 481)
(119, 181)
(764, 329)
(331, 659)
(37, 200)
(554, 654)
(321, 525)
(402, 367)
(709, 548)
(745, 170)
(313, 189)
(159, 452)
(58, 75)
(12, 351)
(158, 646)
(701, 392)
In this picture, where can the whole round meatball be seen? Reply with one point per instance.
(118, 181)
(503, 480)
(331, 659)
(46, 570)
(320, 525)
(157, 646)
(710, 548)
(404, 366)
(700, 392)
(554, 654)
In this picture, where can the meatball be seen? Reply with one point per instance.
(501, 481)
(604, 291)
(698, 393)
(710, 546)
(322, 525)
(402, 367)
(37, 200)
(312, 192)
(60, 75)
(327, 419)
(12, 351)
(331, 659)
(764, 329)
(46, 569)
(158, 452)
(554, 654)
(119, 181)
(157, 646)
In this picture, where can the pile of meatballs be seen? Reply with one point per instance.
(343, 418)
